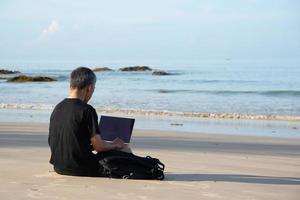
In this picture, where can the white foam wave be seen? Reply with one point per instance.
(200, 115)
(158, 113)
(26, 106)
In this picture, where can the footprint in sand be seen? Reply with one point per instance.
(34, 192)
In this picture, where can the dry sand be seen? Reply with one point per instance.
(198, 166)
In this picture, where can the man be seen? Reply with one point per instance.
(73, 130)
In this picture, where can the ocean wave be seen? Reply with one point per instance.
(170, 91)
(282, 92)
(199, 115)
(233, 92)
(221, 81)
(158, 113)
(26, 106)
(265, 92)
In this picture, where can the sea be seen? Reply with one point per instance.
(240, 87)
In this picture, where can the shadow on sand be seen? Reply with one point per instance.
(238, 178)
(12, 139)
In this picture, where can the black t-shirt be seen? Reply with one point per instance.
(72, 124)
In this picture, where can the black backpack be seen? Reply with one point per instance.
(116, 164)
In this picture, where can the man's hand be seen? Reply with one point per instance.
(99, 145)
(119, 143)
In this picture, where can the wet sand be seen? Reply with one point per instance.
(198, 166)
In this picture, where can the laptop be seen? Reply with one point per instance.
(116, 127)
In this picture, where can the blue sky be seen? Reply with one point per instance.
(149, 30)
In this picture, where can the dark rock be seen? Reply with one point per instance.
(102, 69)
(161, 73)
(20, 79)
(4, 71)
(3, 78)
(135, 69)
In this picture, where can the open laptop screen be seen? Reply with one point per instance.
(116, 127)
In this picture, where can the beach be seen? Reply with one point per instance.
(222, 131)
(198, 166)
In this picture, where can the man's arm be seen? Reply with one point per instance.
(99, 145)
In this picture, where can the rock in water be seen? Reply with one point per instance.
(135, 69)
(102, 69)
(161, 73)
(4, 71)
(20, 79)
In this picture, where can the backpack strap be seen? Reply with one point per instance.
(159, 164)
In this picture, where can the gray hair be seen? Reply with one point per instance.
(82, 77)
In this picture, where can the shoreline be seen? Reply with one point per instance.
(49, 107)
(270, 128)
(198, 166)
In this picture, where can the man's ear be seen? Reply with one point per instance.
(89, 87)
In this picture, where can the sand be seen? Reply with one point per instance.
(198, 166)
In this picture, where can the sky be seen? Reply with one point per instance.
(149, 30)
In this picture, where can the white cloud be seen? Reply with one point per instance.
(52, 28)
(46, 33)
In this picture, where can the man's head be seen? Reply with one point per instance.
(83, 81)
